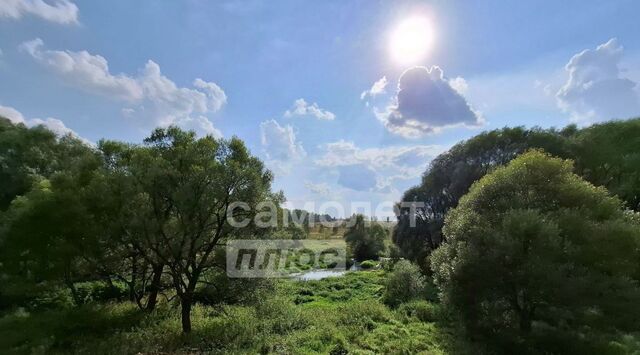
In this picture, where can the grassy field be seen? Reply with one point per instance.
(334, 315)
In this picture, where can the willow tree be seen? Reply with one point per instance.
(182, 190)
(450, 175)
(533, 241)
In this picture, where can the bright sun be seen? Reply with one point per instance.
(411, 40)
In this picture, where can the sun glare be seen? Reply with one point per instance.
(411, 40)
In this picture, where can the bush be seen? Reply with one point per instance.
(368, 264)
(232, 290)
(422, 310)
(405, 283)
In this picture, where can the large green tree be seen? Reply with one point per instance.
(48, 232)
(449, 176)
(608, 154)
(605, 154)
(182, 190)
(534, 241)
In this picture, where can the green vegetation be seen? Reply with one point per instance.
(365, 239)
(528, 242)
(604, 154)
(334, 315)
(561, 253)
(405, 283)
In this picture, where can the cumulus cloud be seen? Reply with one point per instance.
(157, 99)
(90, 72)
(379, 87)
(426, 103)
(280, 146)
(303, 108)
(58, 11)
(595, 89)
(12, 114)
(55, 125)
(459, 84)
(378, 168)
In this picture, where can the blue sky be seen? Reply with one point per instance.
(297, 79)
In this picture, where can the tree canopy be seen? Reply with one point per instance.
(532, 241)
(605, 155)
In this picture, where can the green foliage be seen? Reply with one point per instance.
(605, 154)
(451, 174)
(361, 324)
(534, 242)
(28, 155)
(368, 264)
(422, 310)
(405, 283)
(365, 240)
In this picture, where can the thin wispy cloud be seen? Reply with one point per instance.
(379, 87)
(58, 11)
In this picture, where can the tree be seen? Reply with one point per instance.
(366, 240)
(404, 283)
(607, 155)
(533, 241)
(450, 176)
(182, 192)
(46, 227)
(27, 154)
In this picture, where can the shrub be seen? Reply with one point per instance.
(368, 264)
(420, 309)
(405, 283)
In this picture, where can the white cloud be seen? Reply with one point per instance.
(302, 108)
(90, 72)
(459, 84)
(157, 99)
(12, 114)
(427, 103)
(280, 146)
(595, 89)
(53, 124)
(383, 166)
(58, 11)
(320, 188)
(379, 87)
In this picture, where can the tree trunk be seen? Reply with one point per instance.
(154, 288)
(186, 314)
(74, 293)
(132, 284)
